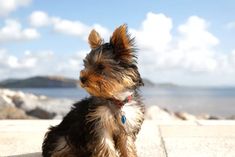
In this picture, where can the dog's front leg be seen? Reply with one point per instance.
(103, 122)
(126, 145)
(105, 147)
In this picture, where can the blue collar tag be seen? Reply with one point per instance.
(123, 119)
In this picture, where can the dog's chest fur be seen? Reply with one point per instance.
(133, 113)
(109, 115)
(133, 109)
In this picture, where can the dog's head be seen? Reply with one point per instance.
(110, 68)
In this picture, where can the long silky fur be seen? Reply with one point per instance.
(93, 127)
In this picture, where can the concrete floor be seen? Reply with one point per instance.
(23, 138)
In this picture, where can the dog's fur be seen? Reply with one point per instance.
(95, 127)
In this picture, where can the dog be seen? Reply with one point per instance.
(106, 123)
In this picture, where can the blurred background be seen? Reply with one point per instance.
(186, 54)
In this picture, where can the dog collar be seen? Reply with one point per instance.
(120, 104)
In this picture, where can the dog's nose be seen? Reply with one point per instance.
(83, 79)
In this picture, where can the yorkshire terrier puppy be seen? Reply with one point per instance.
(106, 123)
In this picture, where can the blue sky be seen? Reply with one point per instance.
(185, 42)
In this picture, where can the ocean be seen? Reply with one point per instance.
(213, 101)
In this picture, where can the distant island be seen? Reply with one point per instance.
(59, 82)
(41, 82)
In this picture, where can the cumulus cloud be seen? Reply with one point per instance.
(28, 61)
(167, 52)
(64, 26)
(192, 48)
(76, 28)
(39, 19)
(13, 31)
(194, 33)
(8, 6)
(33, 63)
(155, 32)
(72, 64)
(68, 27)
(196, 45)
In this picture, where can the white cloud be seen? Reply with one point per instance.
(28, 61)
(192, 49)
(43, 62)
(183, 54)
(71, 65)
(76, 28)
(12, 31)
(64, 26)
(155, 32)
(9, 61)
(39, 19)
(68, 27)
(195, 34)
(195, 44)
(29, 64)
(8, 6)
(104, 32)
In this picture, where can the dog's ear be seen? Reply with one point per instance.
(94, 39)
(123, 44)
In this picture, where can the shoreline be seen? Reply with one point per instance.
(20, 105)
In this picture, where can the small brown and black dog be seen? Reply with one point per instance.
(106, 123)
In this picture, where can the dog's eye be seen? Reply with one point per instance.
(100, 66)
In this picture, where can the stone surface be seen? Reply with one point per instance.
(200, 146)
(149, 141)
(9, 112)
(23, 138)
(41, 114)
(37, 106)
(203, 138)
(156, 113)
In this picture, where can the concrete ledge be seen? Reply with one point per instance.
(23, 138)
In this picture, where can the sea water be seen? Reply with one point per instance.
(213, 101)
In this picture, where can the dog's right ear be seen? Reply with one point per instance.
(124, 48)
(94, 39)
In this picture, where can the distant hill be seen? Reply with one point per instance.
(166, 85)
(147, 82)
(40, 82)
(61, 82)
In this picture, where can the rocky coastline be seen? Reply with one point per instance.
(19, 105)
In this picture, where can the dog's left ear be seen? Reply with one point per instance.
(94, 39)
(123, 44)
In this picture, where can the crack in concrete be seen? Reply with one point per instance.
(162, 142)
